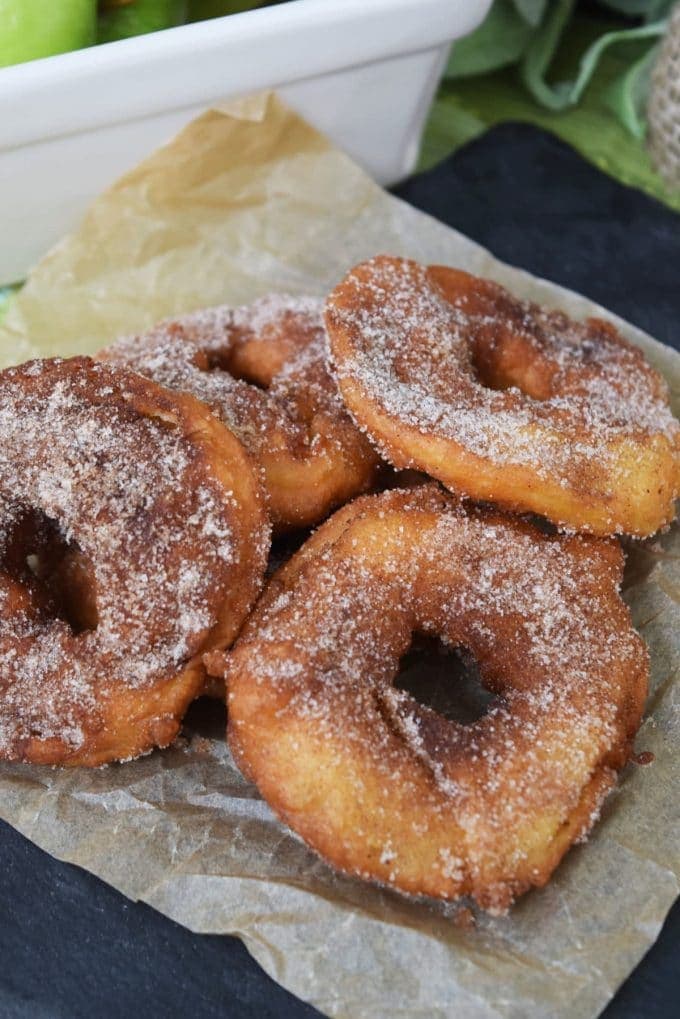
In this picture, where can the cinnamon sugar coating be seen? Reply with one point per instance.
(133, 536)
(504, 401)
(262, 370)
(383, 787)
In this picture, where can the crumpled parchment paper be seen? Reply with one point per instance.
(250, 199)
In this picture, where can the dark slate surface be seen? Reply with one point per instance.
(71, 946)
(534, 202)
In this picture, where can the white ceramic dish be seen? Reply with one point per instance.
(363, 71)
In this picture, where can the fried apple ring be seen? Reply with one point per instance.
(312, 455)
(133, 537)
(387, 789)
(504, 401)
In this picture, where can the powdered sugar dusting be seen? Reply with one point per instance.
(553, 641)
(292, 415)
(195, 354)
(128, 491)
(268, 311)
(416, 349)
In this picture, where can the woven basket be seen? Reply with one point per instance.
(663, 111)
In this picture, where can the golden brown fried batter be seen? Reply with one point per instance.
(504, 401)
(262, 370)
(133, 537)
(387, 789)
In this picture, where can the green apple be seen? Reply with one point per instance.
(200, 10)
(40, 28)
(120, 21)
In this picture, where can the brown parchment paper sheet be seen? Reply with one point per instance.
(250, 199)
